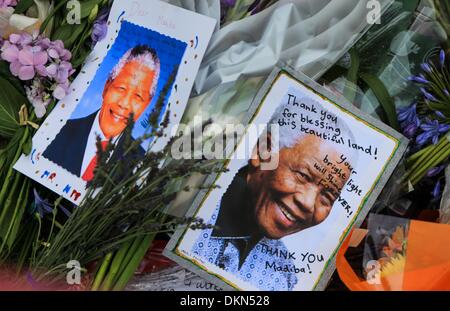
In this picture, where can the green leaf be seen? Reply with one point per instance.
(383, 96)
(10, 102)
(22, 6)
(3, 159)
(10, 151)
(27, 146)
(87, 6)
(352, 76)
(81, 56)
(51, 14)
(69, 34)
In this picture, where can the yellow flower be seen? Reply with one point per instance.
(394, 265)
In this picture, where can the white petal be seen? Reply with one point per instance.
(21, 21)
(43, 7)
(39, 108)
(5, 15)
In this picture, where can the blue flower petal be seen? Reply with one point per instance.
(437, 190)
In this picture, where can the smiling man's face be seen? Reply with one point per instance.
(128, 93)
(295, 195)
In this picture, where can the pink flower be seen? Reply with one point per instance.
(43, 63)
(7, 3)
(10, 52)
(59, 92)
(29, 61)
(60, 72)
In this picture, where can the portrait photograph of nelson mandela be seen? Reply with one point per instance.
(262, 206)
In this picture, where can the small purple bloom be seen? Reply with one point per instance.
(100, 27)
(432, 130)
(419, 79)
(408, 114)
(26, 62)
(8, 3)
(408, 120)
(446, 92)
(428, 95)
(442, 58)
(99, 31)
(434, 171)
(437, 190)
(426, 67)
(42, 206)
(43, 63)
(410, 130)
(440, 114)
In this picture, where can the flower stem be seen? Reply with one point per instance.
(126, 261)
(435, 160)
(426, 156)
(101, 272)
(16, 214)
(115, 266)
(10, 176)
(134, 262)
(419, 154)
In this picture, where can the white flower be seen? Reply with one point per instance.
(5, 15)
(32, 21)
(38, 98)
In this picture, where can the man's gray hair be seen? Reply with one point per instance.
(144, 55)
(289, 135)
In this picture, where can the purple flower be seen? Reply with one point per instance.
(228, 3)
(408, 114)
(60, 91)
(419, 79)
(38, 97)
(99, 31)
(439, 114)
(446, 92)
(428, 95)
(432, 130)
(435, 170)
(100, 27)
(60, 72)
(8, 3)
(42, 206)
(408, 120)
(26, 62)
(442, 58)
(410, 130)
(426, 67)
(43, 63)
(437, 190)
(56, 50)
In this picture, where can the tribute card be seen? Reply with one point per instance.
(150, 45)
(279, 216)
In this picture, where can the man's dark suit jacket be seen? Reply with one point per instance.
(68, 148)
